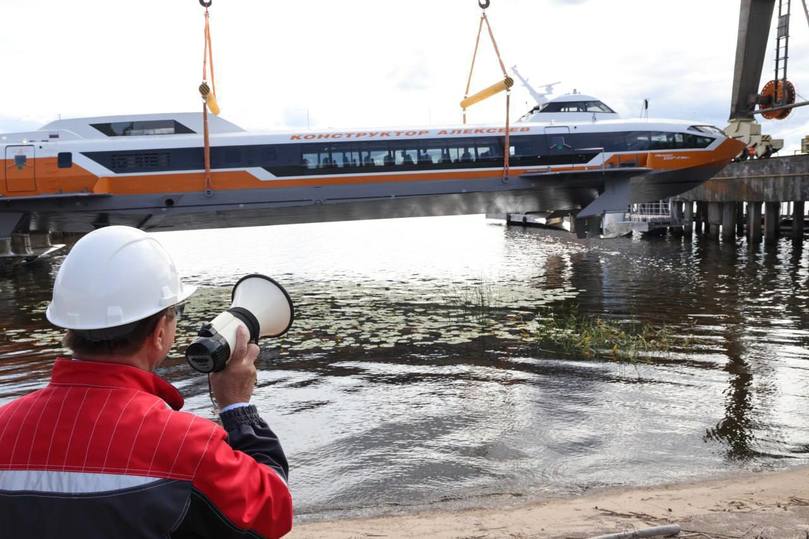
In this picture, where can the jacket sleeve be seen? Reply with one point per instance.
(240, 487)
(249, 433)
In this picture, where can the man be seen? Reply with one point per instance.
(103, 451)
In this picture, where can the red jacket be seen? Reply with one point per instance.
(103, 452)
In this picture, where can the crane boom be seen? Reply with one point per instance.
(755, 18)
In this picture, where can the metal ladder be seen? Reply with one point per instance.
(782, 50)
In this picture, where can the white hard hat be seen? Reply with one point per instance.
(114, 276)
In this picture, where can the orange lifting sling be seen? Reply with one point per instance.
(208, 94)
(501, 86)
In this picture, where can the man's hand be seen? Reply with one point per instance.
(236, 382)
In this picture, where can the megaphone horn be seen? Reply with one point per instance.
(259, 304)
(266, 301)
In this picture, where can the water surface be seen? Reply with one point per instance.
(410, 376)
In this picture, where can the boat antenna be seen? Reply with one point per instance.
(208, 94)
(504, 85)
(644, 111)
(540, 97)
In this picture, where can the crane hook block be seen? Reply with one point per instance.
(205, 4)
(496, 88)
(484, 3)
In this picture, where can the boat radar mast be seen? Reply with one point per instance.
(540, 97)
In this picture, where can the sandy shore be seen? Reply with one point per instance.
(758, 505)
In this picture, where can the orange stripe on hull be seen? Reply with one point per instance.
(53, 180)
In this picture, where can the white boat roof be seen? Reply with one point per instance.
(83, 127)
(567, 98)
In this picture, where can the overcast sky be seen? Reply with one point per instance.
(350, 63)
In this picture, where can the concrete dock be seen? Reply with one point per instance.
(750, 197)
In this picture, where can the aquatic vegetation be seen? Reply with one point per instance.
(573, 333)
(483, 315)
(560, 327)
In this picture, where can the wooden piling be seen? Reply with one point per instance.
(714, 219)
(728, 221)
(677, 218)
(688, 219)
(702, 217)
(594, 227)
(772, 211)
(797, 220)
(754, 222)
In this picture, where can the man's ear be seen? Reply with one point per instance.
(157, 339)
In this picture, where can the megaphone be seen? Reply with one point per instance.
(258, 303)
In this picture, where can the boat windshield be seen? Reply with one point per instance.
(708, 129)
(576, 106)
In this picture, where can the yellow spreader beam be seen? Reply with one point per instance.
(486, 93)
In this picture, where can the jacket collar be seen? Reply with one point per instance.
(99, 373)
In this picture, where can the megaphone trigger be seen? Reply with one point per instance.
(259, 304)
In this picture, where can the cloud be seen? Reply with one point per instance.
(297, 117)
(367, 68)
(9, 124)
(414, 73)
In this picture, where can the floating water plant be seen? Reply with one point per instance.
(573, 333)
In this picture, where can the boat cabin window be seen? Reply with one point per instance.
(401, 155)
(143, 128)
(576, 106)
(64, 159)
(140, 161)
(678, 141)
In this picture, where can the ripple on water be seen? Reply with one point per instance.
(412, 376)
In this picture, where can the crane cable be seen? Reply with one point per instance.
(805, 10)
(504, 85)
(208, 94)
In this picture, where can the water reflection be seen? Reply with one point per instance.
(411, 374)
